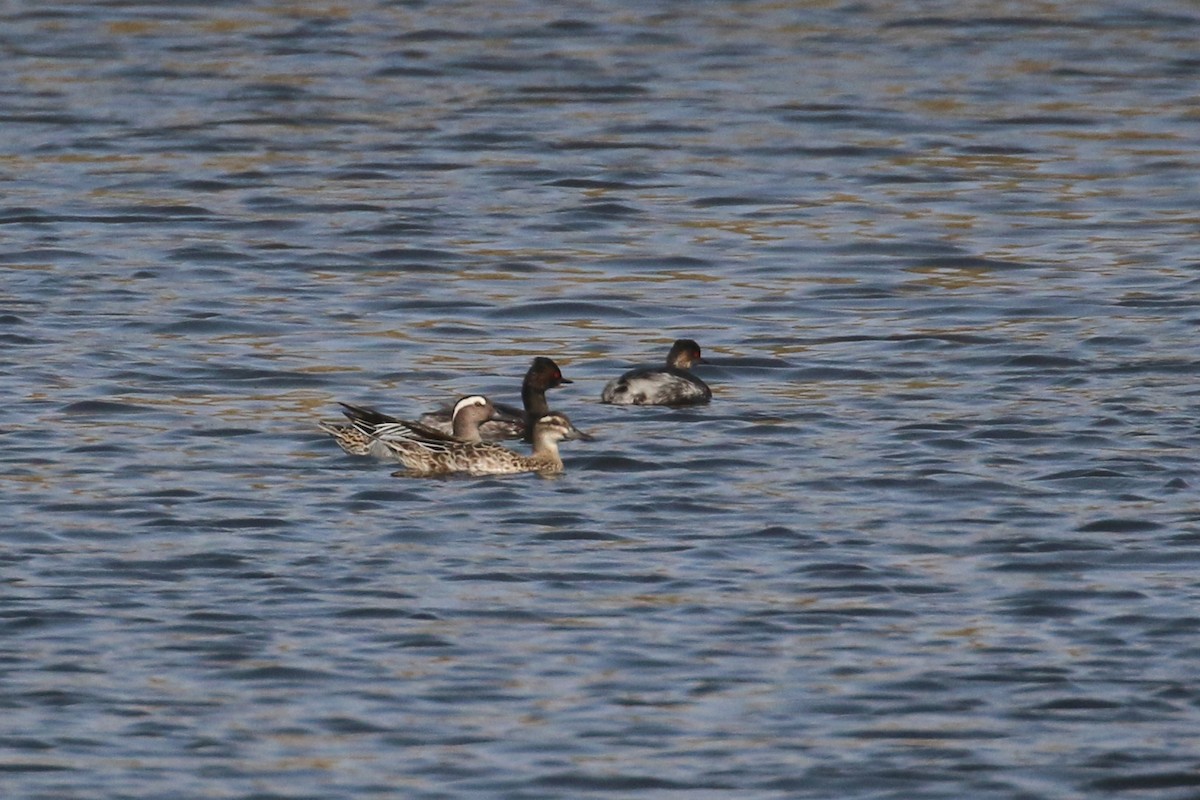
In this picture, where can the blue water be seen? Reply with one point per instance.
(936, 536)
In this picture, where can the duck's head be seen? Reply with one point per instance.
(555, 427)
(469, 412)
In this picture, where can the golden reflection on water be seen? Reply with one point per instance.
(952, 278)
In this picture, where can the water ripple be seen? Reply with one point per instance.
(933, 537)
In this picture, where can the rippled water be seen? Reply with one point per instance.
(936, 536)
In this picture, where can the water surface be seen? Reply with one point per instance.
(935, 536)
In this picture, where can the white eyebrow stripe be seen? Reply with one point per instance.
(473, 400)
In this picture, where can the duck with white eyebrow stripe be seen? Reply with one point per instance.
(369, 430)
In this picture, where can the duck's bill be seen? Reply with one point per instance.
(575, 433)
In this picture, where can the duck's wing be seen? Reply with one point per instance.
(404, 430)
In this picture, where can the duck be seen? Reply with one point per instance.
(509, 422)
(369, 429)
(423, 457)
(669, 385)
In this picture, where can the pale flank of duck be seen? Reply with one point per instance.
(423, 457)
(669, 385)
